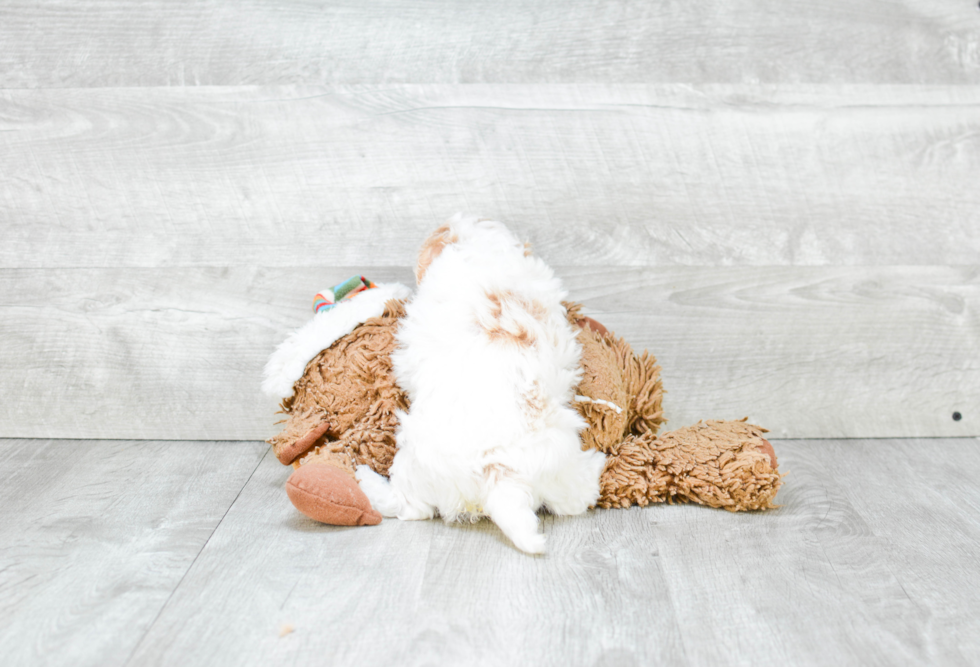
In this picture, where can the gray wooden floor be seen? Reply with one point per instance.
(189, 553)
(778, 198)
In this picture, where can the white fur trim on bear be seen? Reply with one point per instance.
(287, 363)
(585, 399)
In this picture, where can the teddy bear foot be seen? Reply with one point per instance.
(766, 448)
(330, 495)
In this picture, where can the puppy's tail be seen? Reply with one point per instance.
(510, 505)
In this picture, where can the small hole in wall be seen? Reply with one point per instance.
(957, 416)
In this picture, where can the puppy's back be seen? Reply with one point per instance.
(489, 363)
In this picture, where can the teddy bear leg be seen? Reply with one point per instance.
(726, 464)
(323, 488)
(302, 432)
(631, 476)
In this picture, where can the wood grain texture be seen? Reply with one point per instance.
(160, 42)
(96, 535)
(806, 351)
(829, 578)
(929, 534)
(415, 593)
(351, 595)
(592, 175)
(840, 574)
(178, 352)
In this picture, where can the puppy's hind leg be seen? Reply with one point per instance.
(510, 506)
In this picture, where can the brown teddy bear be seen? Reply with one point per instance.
(340, 398)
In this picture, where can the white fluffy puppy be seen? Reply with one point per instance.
(490, 365)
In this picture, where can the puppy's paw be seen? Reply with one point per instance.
(378, 491)
(416, 512)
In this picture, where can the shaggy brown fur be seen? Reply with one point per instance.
(342, 414)
(612, 372)
(350, 387)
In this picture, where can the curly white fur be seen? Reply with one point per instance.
(489, 363)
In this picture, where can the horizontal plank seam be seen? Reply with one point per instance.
(196, 556)
(349, 89)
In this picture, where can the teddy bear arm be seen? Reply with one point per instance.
(646, 410)
(641, 375)
(304, 429)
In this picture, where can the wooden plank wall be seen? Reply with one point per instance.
(112, 43)
(776, 198)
